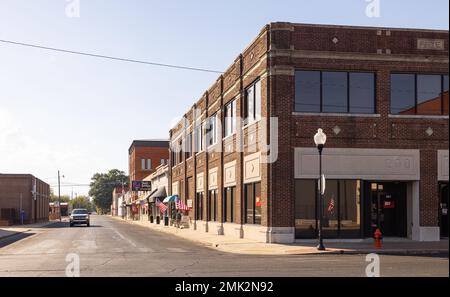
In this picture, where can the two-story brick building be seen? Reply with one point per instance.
(144, 156)
(380, 95)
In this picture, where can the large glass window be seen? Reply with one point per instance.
(445, 95)
(199, 206)
(199, 140)
(362, 92)
(230, 118)
(212, 205)
(307, 91)
(341, 208)
(350, 207)
(334, 90)
(230, 194)
(305, 208)
(253, 203)
(211, 130)
(403, 94)
(421, 94)
(253, 102)
(429, 91)
(189, 146)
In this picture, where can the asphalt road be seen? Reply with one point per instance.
(115, 248)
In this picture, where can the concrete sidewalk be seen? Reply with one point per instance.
(9, 231)
(246, 246)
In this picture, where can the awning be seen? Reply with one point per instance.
(171, 199)
(148, 195)
(158, 193)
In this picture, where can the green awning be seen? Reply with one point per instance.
(171, 199)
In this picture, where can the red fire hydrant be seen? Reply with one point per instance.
(377, 236)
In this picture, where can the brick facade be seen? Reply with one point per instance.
(273, 57)
(16, 190)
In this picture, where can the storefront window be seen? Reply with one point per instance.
(230, 194)
(341, 208)
(212, 206)
(249, 203)
(199, 206)
(305, 208)
(330, 209)
(349, 208)
(253, 203)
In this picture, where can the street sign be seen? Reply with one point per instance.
(141, 185)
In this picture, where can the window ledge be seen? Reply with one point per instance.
(324, 114)
(435, 117)
(248, 125)
(228, 137)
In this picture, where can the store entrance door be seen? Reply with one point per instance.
(443, 211)
(387, 209)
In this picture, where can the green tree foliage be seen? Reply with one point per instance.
(81, 202)
(64, 198)
(102, 185)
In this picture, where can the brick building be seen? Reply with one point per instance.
(380, 95)
(144, 156)
(23, 192)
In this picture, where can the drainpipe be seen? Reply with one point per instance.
(241, 135)
(221, 231)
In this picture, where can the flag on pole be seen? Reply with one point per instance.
(180, 205)
(162, 207)
(331, 205)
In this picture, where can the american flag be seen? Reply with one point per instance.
(162, 207)
(180, 205)
(331, 205)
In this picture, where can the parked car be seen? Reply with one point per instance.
(79, 216)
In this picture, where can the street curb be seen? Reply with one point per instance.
(435, 253)
(217, 246)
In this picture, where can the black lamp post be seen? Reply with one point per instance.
(320, 139)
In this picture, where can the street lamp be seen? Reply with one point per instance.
(320, 139)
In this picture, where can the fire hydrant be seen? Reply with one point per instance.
(377, 236)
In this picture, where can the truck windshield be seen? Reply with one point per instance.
(80, 211)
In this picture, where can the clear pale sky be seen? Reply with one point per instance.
(79, 114)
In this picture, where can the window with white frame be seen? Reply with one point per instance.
(146, 164)
(253, 102)
(230, 118)
(199, 139)
(211, 130)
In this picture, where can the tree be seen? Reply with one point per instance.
(54, 198)
(81, 202)
(102, 185)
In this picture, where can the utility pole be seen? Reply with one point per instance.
(59, 196)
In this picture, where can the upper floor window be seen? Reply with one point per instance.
(146, 164)
(253, 102)
(199, 138)
(211, 130)
(419, 94)
(336, 92)
(230, 118)
(188, 146)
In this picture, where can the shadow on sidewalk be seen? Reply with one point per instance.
(14, 238)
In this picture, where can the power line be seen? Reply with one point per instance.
(111, 57)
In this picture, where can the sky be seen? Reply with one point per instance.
(80, 114)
